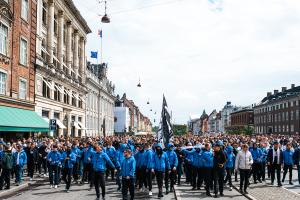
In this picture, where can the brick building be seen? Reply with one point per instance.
(18, 25)
(242, 118)
(278, 112)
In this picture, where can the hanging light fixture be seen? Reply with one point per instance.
(139, 84)
(148, 102)
(105, 19)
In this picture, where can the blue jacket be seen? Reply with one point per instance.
(148, 158)
(257, 155)
(87, 153)
(173, 160)
(288, 157)
(70, 161)
(160, 163)
(128, 167)
(54, 157)
(230, 157)
(207, 159)
(22, 158)
(111, 152)
(99, 161)
(76, 151)
(140, 159)
(195, 157)
(120, 155)
(265, 154)
(188, 155)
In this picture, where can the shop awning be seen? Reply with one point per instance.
(58, 122)
(21, 120)
(77, 125)
(81, 125)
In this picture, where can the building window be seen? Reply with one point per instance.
(3, 77)
(22, 89)
(80, 102)
(3, 39)
(297, 114)
(45, 113)
(56, 93)
(55, 25)
(46, 90)
(24, 11)
(23, 52)
(73, 99)
(292, 128)
(44, 13)
(56, 115)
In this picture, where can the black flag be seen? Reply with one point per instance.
(165, 132)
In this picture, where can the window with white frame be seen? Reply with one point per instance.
(3, 78)
(24, 10)
(3, 39)
(23, 51)
(22, 88)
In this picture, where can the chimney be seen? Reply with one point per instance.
(292, 86)
(269, 94)
(228, 102)
(284, 89)
(276, 91)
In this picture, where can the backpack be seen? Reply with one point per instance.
(7, 161)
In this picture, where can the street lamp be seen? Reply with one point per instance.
(139, 84)
(105, 19)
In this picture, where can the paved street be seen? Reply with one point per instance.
(44, 192)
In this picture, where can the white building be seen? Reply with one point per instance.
(212, 120)
(225, 116)
(122, 117)
(100, 101)
(61, 65)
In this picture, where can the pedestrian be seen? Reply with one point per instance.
(141, 166)
(275, 160)
(120, 157)
(148, 160)
(296, 158)
(257, 156)
(68, 160)
(173, 161)
(288, 163)
(7, 165)
(180, 156)
(54, 159)
(42, 160)
(111, 152)
(229, 166)
(19, 160)
(160, 164)
(32, 157)
(243, 163)
(218, 170)
(100, 160)
(207, 159)
(128, 167)
(87, 165)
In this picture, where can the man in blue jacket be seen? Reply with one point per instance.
(19, 160)
(173, 160)
(141, 166)
(119, 160)
(111, 152)
(257, 156)
(68, 160)
(54, 160)
(127, 173)
(160, 163)
(99, 161)
(229, 166)
(208, 163)
(148, 160)
(288, 163)
(87, 164)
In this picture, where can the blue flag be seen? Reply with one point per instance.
(94, 54)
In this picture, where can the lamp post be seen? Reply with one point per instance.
(105, 19)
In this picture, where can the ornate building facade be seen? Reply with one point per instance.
(61, 66)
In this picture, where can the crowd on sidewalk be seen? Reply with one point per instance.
(134, 162)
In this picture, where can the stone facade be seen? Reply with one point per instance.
(61, 66)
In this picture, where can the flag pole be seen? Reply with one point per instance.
(101, 47)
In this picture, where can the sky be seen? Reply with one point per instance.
(199, 53)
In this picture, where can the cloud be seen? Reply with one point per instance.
(200, 54)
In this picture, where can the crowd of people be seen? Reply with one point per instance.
(207, 162)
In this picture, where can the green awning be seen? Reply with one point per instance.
(20, 120)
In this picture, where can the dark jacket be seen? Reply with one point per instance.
(270, 156)
(219, 158)
(296, 156)
(7, 160)
(32, 156)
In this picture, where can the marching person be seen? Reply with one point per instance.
(99, 160)
(127, 172)
(229, 166)
(87, 165)
(42, 160)
(218, 170)
(7, 165)
(111, 152)
(243, 163)
(173, 161)
(208, 163)
(119, 158)
(19, 160)
(288, 163)
(180, 157)
(296, 158)
(32, 157)
(275, 160)
(54, 159)
(68, 159)
(160, 163)
(148, 160)
(257, 156)
(140, 167)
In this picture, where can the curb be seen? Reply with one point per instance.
(176, 193)
(15, 189)
(248, 196)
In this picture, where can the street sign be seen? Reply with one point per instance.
(52, 124)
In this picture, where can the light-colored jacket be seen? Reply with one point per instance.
(243, 160)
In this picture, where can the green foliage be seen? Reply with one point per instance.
(179, 129)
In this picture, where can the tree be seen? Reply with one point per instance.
(179, 129)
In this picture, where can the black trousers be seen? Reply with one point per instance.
(141, 178)
(99, 181)
(244, 178)
(159, 179)
(257, 171)
(127, 184)
(30, 168)
(188, 172)
(277, 168)
(149, 179)
(218, 179)
(228, 176)
(287, 168)
(5, 177)
(88, 173)
(67, 177)
(263, 171)
(111, 171)
(197, 178)
(207, 172)
(170, 176)
(42, 163)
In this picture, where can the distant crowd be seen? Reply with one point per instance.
(205, 162)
